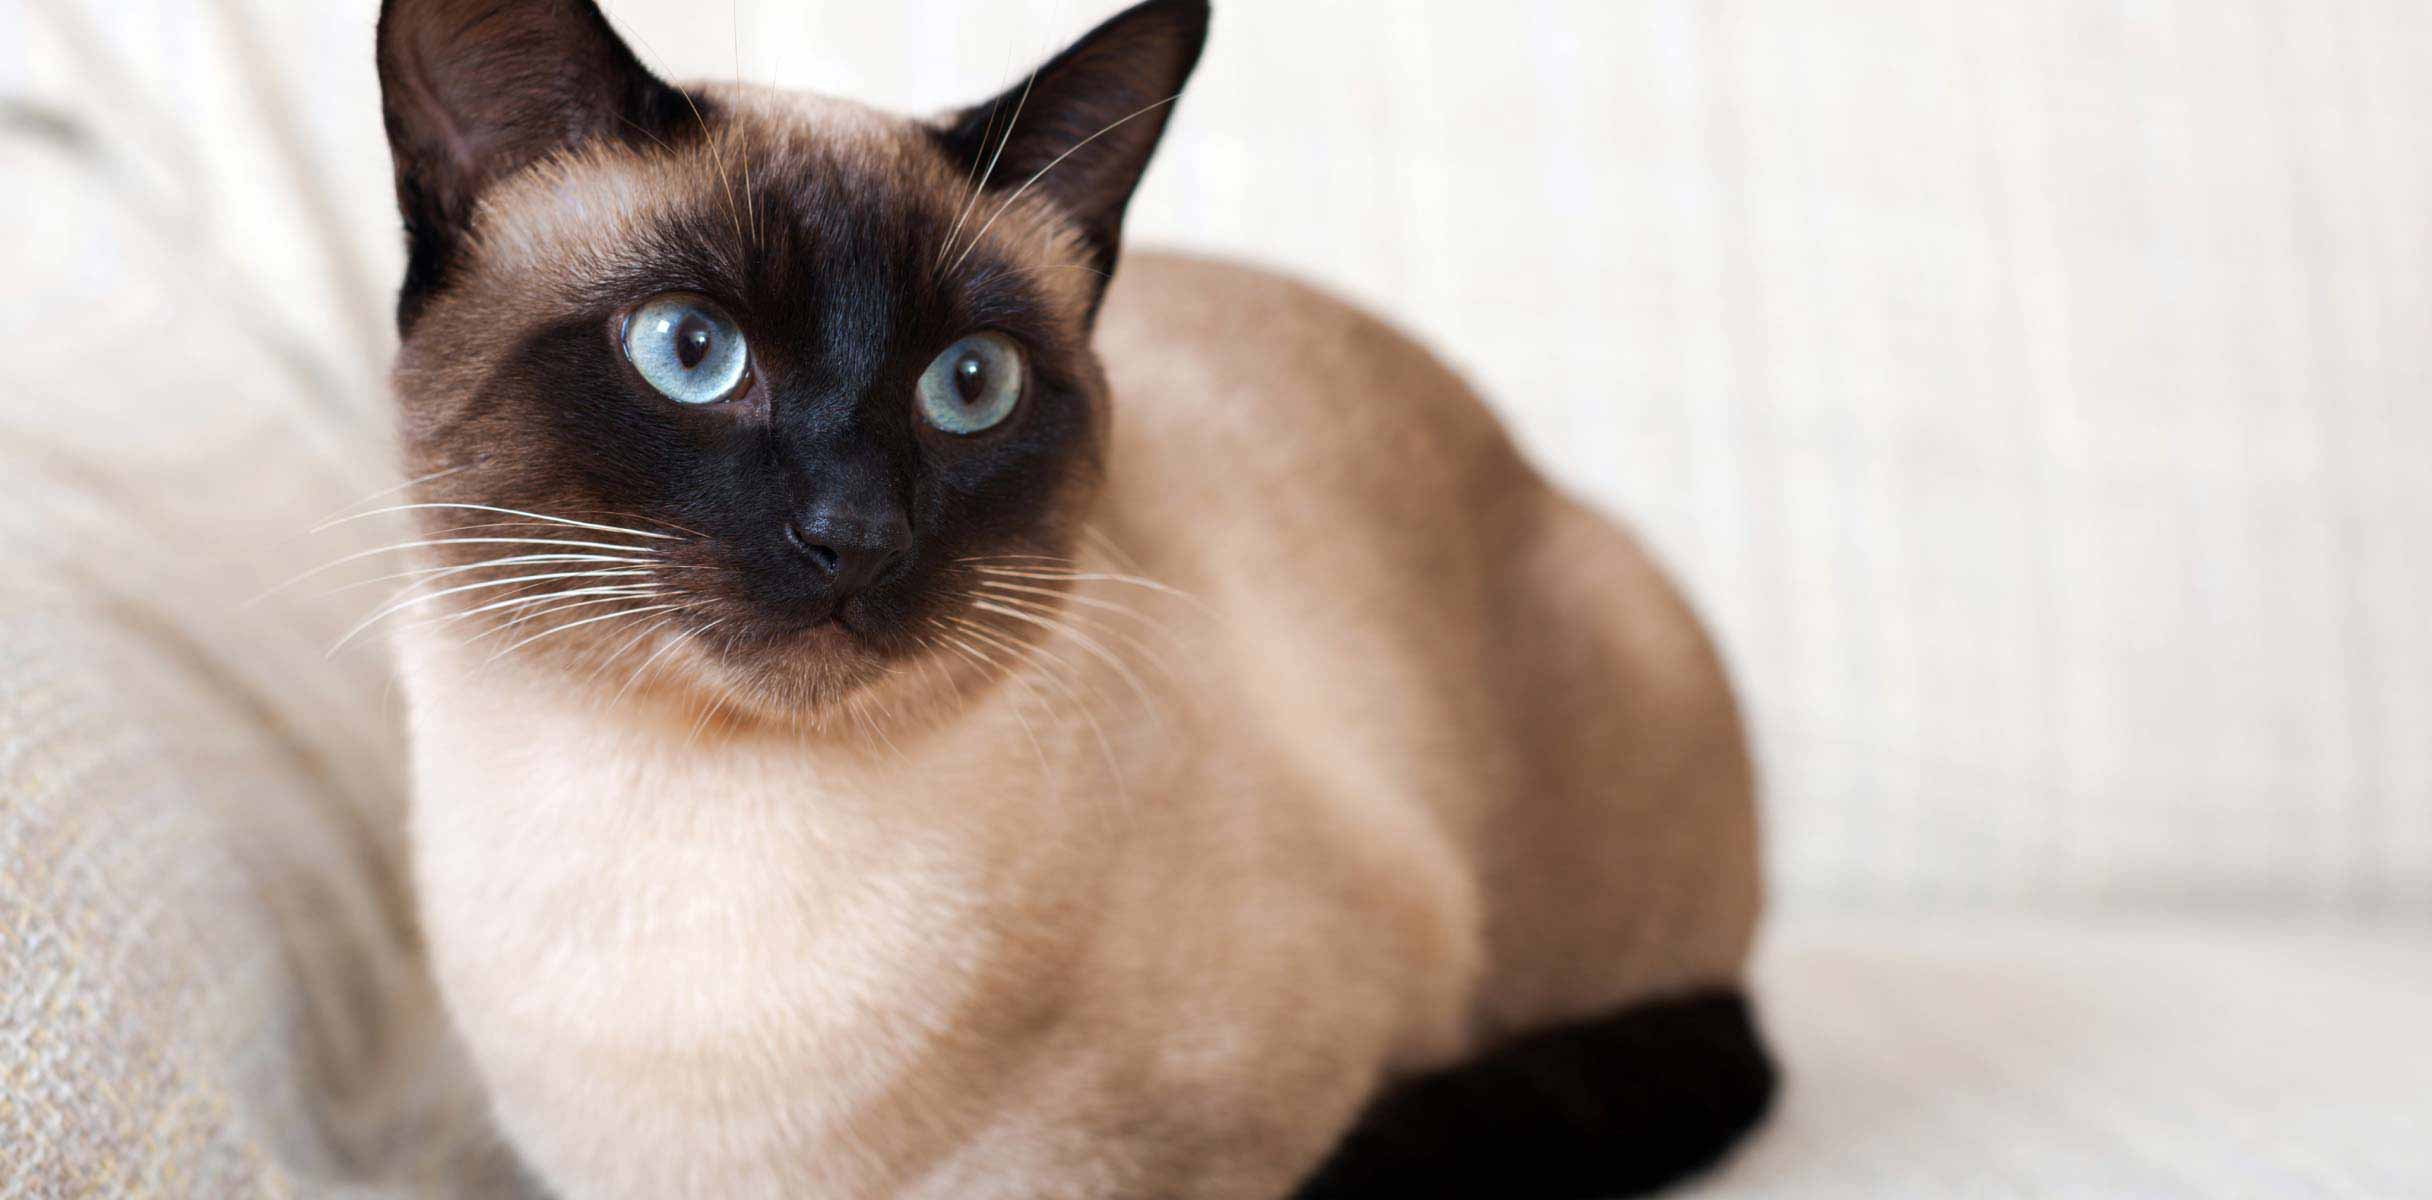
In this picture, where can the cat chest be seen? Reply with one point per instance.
(614, 902)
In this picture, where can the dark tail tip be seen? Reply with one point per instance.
(1616, 1106)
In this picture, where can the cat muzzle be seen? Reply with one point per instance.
(848, 555)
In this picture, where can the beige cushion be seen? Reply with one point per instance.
(209, 984)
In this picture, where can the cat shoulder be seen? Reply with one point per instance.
(1225, 357)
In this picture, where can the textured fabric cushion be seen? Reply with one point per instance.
(209, 984)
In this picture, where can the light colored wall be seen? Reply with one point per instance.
(2036, 395)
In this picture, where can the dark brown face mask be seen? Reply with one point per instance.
(805, 363)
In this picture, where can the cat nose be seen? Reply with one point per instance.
(851, 552)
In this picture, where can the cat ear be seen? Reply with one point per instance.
(1081, 128)
(475, 90)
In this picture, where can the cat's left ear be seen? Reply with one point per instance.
(1081, 128)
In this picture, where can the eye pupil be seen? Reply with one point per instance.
(971, 378)
(694, 338)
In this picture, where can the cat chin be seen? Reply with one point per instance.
(821, 676)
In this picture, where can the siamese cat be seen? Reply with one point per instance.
(918, 704)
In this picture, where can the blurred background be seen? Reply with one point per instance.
(2037, 396)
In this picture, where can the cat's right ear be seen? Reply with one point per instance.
(1083, 126)
(475, 90)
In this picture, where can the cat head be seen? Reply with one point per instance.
(758, 378)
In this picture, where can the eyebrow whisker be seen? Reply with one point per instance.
(1051, 165)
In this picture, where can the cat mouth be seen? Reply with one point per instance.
(832, 631)
(797, 619)
(845, 634)
(852, 616)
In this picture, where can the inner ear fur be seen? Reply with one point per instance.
(1084, 125)
(473, 91)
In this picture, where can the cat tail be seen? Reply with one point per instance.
(1613, 1106)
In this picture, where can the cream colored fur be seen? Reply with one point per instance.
(1413, 754)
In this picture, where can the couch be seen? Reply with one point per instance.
(2034, 396)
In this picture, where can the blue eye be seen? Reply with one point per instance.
(973, 386)
(687, 349)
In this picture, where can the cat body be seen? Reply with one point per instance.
(1274, 735)
(1476, 774)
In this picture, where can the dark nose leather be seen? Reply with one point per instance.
(850, 551)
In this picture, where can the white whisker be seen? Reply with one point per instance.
(708, 710)
(875, 722)
(999, 585)
(1046, 562)
(981, 188)
(518, 560)
(1098, 577)
(554, 630)
(533, 608)
(386, 492)
(599, 596)
(1051, 165)
(427, 597)
(646, 630)
(1047, 774)
(1128, 638)
(1080, 703)
(661, 652)
(1088, 643)
(511, 512)
(1121, 557)
(376, 551)
(724, 185)
(520, 609)
(734, 32)
(929, 663)
(1018, 653)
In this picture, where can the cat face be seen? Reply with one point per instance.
(754, 378)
